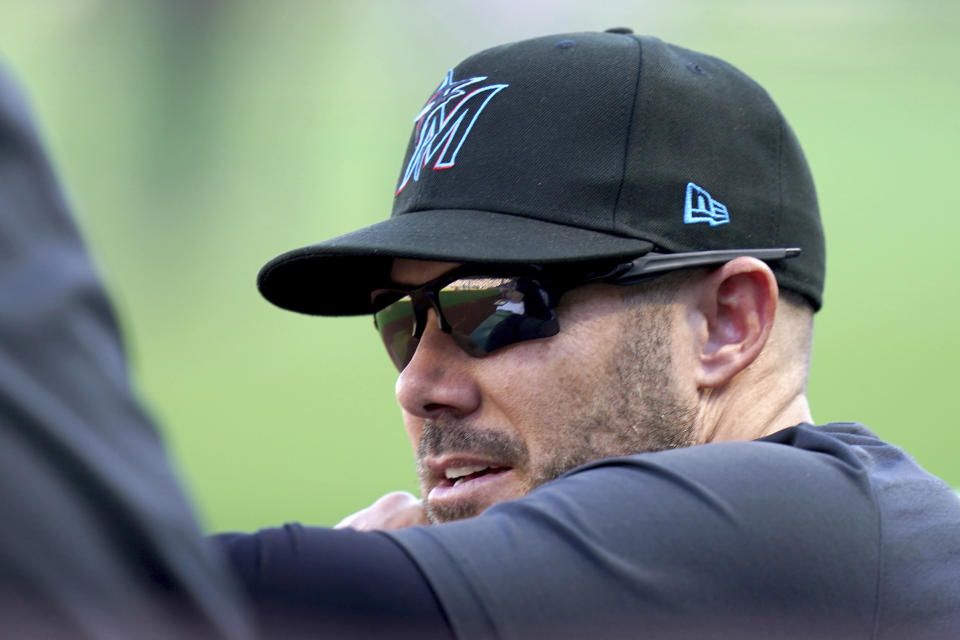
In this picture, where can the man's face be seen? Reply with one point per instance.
(491, 429)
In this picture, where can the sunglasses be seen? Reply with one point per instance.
(485, 308)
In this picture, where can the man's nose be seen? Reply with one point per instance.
(439, 379)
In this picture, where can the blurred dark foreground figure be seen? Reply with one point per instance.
(96, 537)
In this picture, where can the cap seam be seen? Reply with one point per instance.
(630, 133)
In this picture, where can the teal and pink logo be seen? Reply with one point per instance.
(444, 123)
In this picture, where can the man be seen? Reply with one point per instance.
(598, 285)
(97, 539)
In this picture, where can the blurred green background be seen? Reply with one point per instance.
(199, 138)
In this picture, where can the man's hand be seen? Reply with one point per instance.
(395, 510)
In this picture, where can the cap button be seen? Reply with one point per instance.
(623, 30)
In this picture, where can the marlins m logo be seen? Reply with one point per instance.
(444, 122)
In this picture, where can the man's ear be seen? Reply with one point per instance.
(738, 303)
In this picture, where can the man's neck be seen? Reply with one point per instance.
(751, 417)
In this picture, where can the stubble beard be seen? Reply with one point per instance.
(639, 409)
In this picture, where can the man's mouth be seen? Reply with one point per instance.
(464, 488)
(455, 476)
(465, 468)
(465, 485)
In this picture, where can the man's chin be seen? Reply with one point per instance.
(438, 514)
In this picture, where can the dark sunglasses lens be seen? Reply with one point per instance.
(484, 319)
(396, 323)
(480, 314)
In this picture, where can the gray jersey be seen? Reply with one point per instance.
(813, 532)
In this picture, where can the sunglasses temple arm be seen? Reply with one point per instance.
(655, 263)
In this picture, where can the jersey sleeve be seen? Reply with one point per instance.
(752, 539)
(336, 583)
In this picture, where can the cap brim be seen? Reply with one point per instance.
(336, 277)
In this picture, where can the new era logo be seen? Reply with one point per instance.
(700, 207)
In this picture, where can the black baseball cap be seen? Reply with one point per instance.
(573, 148)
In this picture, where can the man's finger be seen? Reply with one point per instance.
(395, 510)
